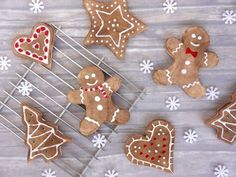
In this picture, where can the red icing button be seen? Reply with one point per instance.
(20, 50)
(28, 40)
(16, 45)
(46, 41)
(45, 49)
(35, 35)
(21, 40)
(46, 33)
(45, 57)
(27, 53)
(38, 30)
(40, 58)
(35, 56)
(43, 28)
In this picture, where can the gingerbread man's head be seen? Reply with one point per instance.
(196, 38)
(90, 76)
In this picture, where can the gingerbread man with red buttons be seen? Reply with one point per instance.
(95, 93)
(189, 55)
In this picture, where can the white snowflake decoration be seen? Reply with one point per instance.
(221, 171)
(170, 6)
(173, 103)
(229, 17)
(25, 88)
(111, 173)
(36, 6)
(48, 173)
(4, 63)
(146, 66)
(99, 141)
(212, 93)
(190, 136)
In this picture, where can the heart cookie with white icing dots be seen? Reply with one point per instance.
(36, 47)
(155, 149)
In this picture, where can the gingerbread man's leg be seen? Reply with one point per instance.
(162, 77)
(89, 126)
(118, 116)
(194, 89)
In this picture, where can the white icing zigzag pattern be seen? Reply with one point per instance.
(107, 86)
(92, 121)
(114, 115)
(82, 95)
(168, 76)
(206, 59)
(191, 84)
(178, 48)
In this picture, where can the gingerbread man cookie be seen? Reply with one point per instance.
(42, 137)
(95, 94)
(224, 122)
(189, 55)
(155, 149)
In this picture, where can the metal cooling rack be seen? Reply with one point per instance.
(59, 111)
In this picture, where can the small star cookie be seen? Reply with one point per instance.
(111, 25)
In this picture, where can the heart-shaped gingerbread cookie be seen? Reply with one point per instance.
(36, 47)
(155, 149)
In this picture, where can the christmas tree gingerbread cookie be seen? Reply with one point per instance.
(111, 25)
(42, 137)
(224, 122)
(189, 55)
(95, 93)
(36, 47)
(155, 149)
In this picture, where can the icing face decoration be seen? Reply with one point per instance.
(36, 47)
(91, 77)
(155, 149)
(196, 38)
(111, 25)
(43, 138)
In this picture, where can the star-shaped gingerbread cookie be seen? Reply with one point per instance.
(112, 25)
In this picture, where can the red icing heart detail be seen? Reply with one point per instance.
(36, 47)
(155, 149)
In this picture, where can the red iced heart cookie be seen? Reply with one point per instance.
(37, 46)
(155, 149)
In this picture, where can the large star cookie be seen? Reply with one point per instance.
(155, 149)
(224, 122)
(111, 25)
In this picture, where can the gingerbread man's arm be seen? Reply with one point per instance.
(113, 83)
(75, 96)
(210, 59)
(173, 46)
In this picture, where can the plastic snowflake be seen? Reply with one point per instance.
(48, 173)
(229, 17)
(170, 6)
(111, 173)
(173, 103)
(36, 6)
(212, 93)
(221, 171)
(4, 63)
(25, 88)
(99, 141)
(190, 136)
(146, 66)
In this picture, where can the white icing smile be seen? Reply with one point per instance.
(92, 83)
(195, 45)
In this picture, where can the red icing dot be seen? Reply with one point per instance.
(86, 90)
(159, 156)
(21, 40)
(141, 153)
(154, 139)
(45, 49)
(35, 35)
(45, 57)
(38, 30)
(46, 33)
(163, 152)
(20, 50)
(40, 58)
(16, 45)
(164, 146)
(46, 41)
(35, 56)
(147, 156)
(164, 139)
(28, 40)
(36, 46)
(144, 145)
(153, 158)
(43, 28)
(27, 53)
(152, 144)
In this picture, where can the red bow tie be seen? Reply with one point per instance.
(189, 51)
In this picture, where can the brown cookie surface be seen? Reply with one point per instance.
(43, 138)
(155, 149)
(189, 54)
(37, 46)
(224, 122)
(111, 25)
(95, 93)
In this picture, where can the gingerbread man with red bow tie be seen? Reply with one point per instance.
(189, 56)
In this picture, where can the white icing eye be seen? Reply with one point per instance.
(199, 38)
(86, 77)
(194, 36)
(93, 75)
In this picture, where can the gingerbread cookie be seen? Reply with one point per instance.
(42, 137)
(111, 25)
(224, 122)
(189, 55)
(95, 94)
(36, 47)
(155, 149)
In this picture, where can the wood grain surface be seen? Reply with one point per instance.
(190, 160)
